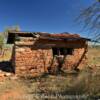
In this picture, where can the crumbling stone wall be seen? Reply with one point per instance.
(78, 59)
(32, 52)
(34, 56)
(34, 61)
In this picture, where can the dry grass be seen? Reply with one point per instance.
(94, 56)
(5, 53)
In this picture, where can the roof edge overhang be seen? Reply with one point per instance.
(45, 35)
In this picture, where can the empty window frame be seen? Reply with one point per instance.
(62, 51)
(69, 51)
(55, 51)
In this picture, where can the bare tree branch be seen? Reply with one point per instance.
(90, 19)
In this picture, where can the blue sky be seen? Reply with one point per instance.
(42, 15)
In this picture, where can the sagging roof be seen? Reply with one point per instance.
(52, 36)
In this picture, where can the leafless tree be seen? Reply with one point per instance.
(90, 19)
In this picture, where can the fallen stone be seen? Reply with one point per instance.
(7, 74)
(14, 77)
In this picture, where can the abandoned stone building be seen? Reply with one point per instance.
(38, 52)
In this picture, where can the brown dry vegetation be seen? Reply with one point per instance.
(94, 56)
(84, 84)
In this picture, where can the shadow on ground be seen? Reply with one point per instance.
(6, 66)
